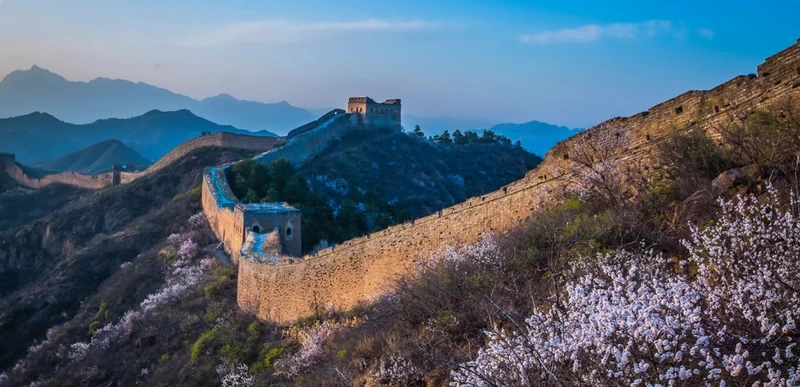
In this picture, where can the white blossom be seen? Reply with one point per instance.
(235, 375)
(629, 319)
(313, 340)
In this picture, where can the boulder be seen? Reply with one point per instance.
(734, 177)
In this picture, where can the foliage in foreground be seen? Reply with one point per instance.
(633, 319)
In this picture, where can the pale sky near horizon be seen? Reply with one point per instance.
(575, 63)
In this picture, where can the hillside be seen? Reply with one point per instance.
(40, 137)
(156, 312)
(59, 253)
(86, 102)
(97, 158)
(416, 174)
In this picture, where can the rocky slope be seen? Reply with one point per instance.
(57, 254)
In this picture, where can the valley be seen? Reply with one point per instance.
(434, 237)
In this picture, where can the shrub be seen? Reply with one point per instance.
(765, 138)
(692, 154)
(200, 344)
(269, 356)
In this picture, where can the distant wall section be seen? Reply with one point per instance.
(223, 139)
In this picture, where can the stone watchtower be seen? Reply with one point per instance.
(264, 218)
(116, 174)
(379, 114)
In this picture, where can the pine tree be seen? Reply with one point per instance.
(418, 132)
(458, 138)
(445, 138)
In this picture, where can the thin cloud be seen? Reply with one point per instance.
(288, 31)
(706, 33)
(594, 32)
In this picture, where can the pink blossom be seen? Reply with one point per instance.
(197, 221)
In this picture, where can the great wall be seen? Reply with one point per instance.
(359, 269)
(103, 180)
(362, 268)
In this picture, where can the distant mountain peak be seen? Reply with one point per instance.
(80, 102)
(179, 112)
(35, 74)
(37, 117)
(225, 96)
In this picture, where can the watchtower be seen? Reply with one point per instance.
(282, 218)
(116, 174)
(372, 113)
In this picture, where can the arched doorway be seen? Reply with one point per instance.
(256, 229)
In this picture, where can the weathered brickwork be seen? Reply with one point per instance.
(361, 268)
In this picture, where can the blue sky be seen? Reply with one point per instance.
(574, 63)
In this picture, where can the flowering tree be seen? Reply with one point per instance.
(197, 221)
(181, 277)
(627, 319)
(597, 166)
(397, 371)
(235, 375)
(313, 340)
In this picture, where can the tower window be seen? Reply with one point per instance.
(256, 229)
(288, 231)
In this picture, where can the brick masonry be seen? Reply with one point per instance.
(365, 267)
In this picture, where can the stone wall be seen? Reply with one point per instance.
(306, 144)
(362, 268)
(222, 139)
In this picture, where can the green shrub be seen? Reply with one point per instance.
(94, 325)
(202, 343)
(195, 191)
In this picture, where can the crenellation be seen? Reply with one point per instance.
(372, 113)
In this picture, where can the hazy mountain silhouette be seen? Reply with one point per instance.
(40, 137)
(97, 158)
(26, 91)
(536, 136)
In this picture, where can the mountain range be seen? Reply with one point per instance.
(39, 90)
(26, 91)
(97, 158)
(535, 136)
(39, 137)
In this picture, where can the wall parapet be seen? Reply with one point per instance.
(357, 270)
